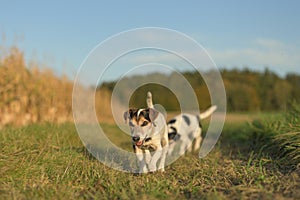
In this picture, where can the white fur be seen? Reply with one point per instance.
(187, 130)
(158, 132)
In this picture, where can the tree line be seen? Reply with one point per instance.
(246, 90)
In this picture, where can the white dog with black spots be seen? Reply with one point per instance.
(184, 129)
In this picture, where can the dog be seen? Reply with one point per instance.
(184, 128)
(149, 134)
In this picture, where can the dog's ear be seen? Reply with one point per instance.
(153, 114)
(128, 115)
(172, 135)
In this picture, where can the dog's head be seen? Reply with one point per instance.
(140, 122)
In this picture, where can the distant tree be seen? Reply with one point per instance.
(282, 94)
(242, 97)
(294, 81)
(266, 84)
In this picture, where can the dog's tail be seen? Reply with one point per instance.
(149, 100)
(208, 112)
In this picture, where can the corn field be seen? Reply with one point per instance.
(30, 96)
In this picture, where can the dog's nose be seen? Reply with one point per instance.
(136, 138)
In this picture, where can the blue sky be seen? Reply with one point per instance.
(60, 34)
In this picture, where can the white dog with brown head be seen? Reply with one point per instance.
(149, 134)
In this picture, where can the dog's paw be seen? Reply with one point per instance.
(152, 168)
(162, 170)
(137, 174)
(157, 172)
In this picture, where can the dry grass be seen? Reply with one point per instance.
(29, 95)
(49, 162)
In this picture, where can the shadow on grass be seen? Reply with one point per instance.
(112, 157)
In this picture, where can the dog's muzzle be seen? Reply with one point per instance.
(137, 142)
(136, 138)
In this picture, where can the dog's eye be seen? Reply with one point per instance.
(145, 123)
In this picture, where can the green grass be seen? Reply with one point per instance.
(280, 138)
(49, 162)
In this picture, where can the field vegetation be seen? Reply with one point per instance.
(42, 156)
(49, 161)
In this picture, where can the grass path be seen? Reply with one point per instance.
(49, 162)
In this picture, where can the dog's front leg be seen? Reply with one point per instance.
(157, 154)
(163, 158)
(184, 145)
(171, 148)
(147, 157)
(141, 161)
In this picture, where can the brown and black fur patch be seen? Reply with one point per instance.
(151, 147)
(139, 117)
(174, 135)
